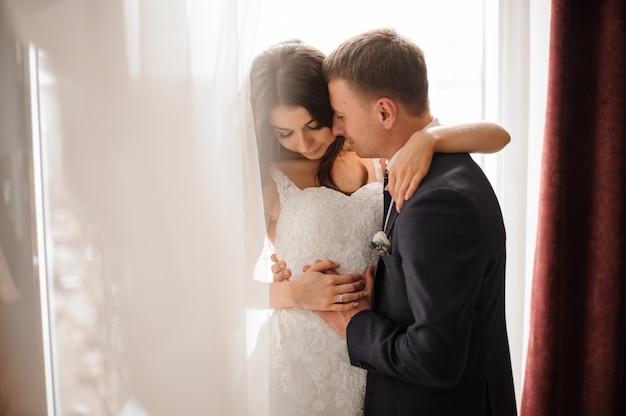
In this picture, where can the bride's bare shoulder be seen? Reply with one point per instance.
(373, 166)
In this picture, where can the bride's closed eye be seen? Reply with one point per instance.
(282, 134)
(316, 126)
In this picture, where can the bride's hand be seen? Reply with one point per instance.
(279, 269)
(410, 167)
(320, 288)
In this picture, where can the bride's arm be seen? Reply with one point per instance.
(413, 162)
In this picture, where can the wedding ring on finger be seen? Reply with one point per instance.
(341, 298)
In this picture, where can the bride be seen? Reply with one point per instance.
(321, 201)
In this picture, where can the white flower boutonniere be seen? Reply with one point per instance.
(381, 243)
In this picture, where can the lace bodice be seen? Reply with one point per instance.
(321, 223)
(310, 371)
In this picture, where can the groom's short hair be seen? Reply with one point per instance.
(381, 63)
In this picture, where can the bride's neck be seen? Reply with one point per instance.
(349, 172)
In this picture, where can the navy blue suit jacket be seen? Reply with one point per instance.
(436, 341)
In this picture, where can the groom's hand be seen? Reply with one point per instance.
(339, 320)
(321, 288)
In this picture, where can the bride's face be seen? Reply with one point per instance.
(296, 130)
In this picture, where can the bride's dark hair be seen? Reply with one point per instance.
(290, 74)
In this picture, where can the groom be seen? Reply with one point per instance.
(435, 340)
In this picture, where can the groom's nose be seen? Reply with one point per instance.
(338, 126)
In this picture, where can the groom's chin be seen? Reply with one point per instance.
(359, 152)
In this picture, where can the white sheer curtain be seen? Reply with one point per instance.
(539, 28)
(150, 204)
(516, 89)
(150, 189)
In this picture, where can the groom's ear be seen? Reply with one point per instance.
(387, 112)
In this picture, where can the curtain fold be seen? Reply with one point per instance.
(153, 211)
(577, 343)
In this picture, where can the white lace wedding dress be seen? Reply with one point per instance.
(310, 372)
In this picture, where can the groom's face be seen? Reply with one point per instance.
(355, 118)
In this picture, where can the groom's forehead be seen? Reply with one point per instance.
(340, 93)
(345, 98)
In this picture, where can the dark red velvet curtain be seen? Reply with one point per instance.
(577, 348)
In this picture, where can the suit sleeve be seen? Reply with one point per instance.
(438, 248)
